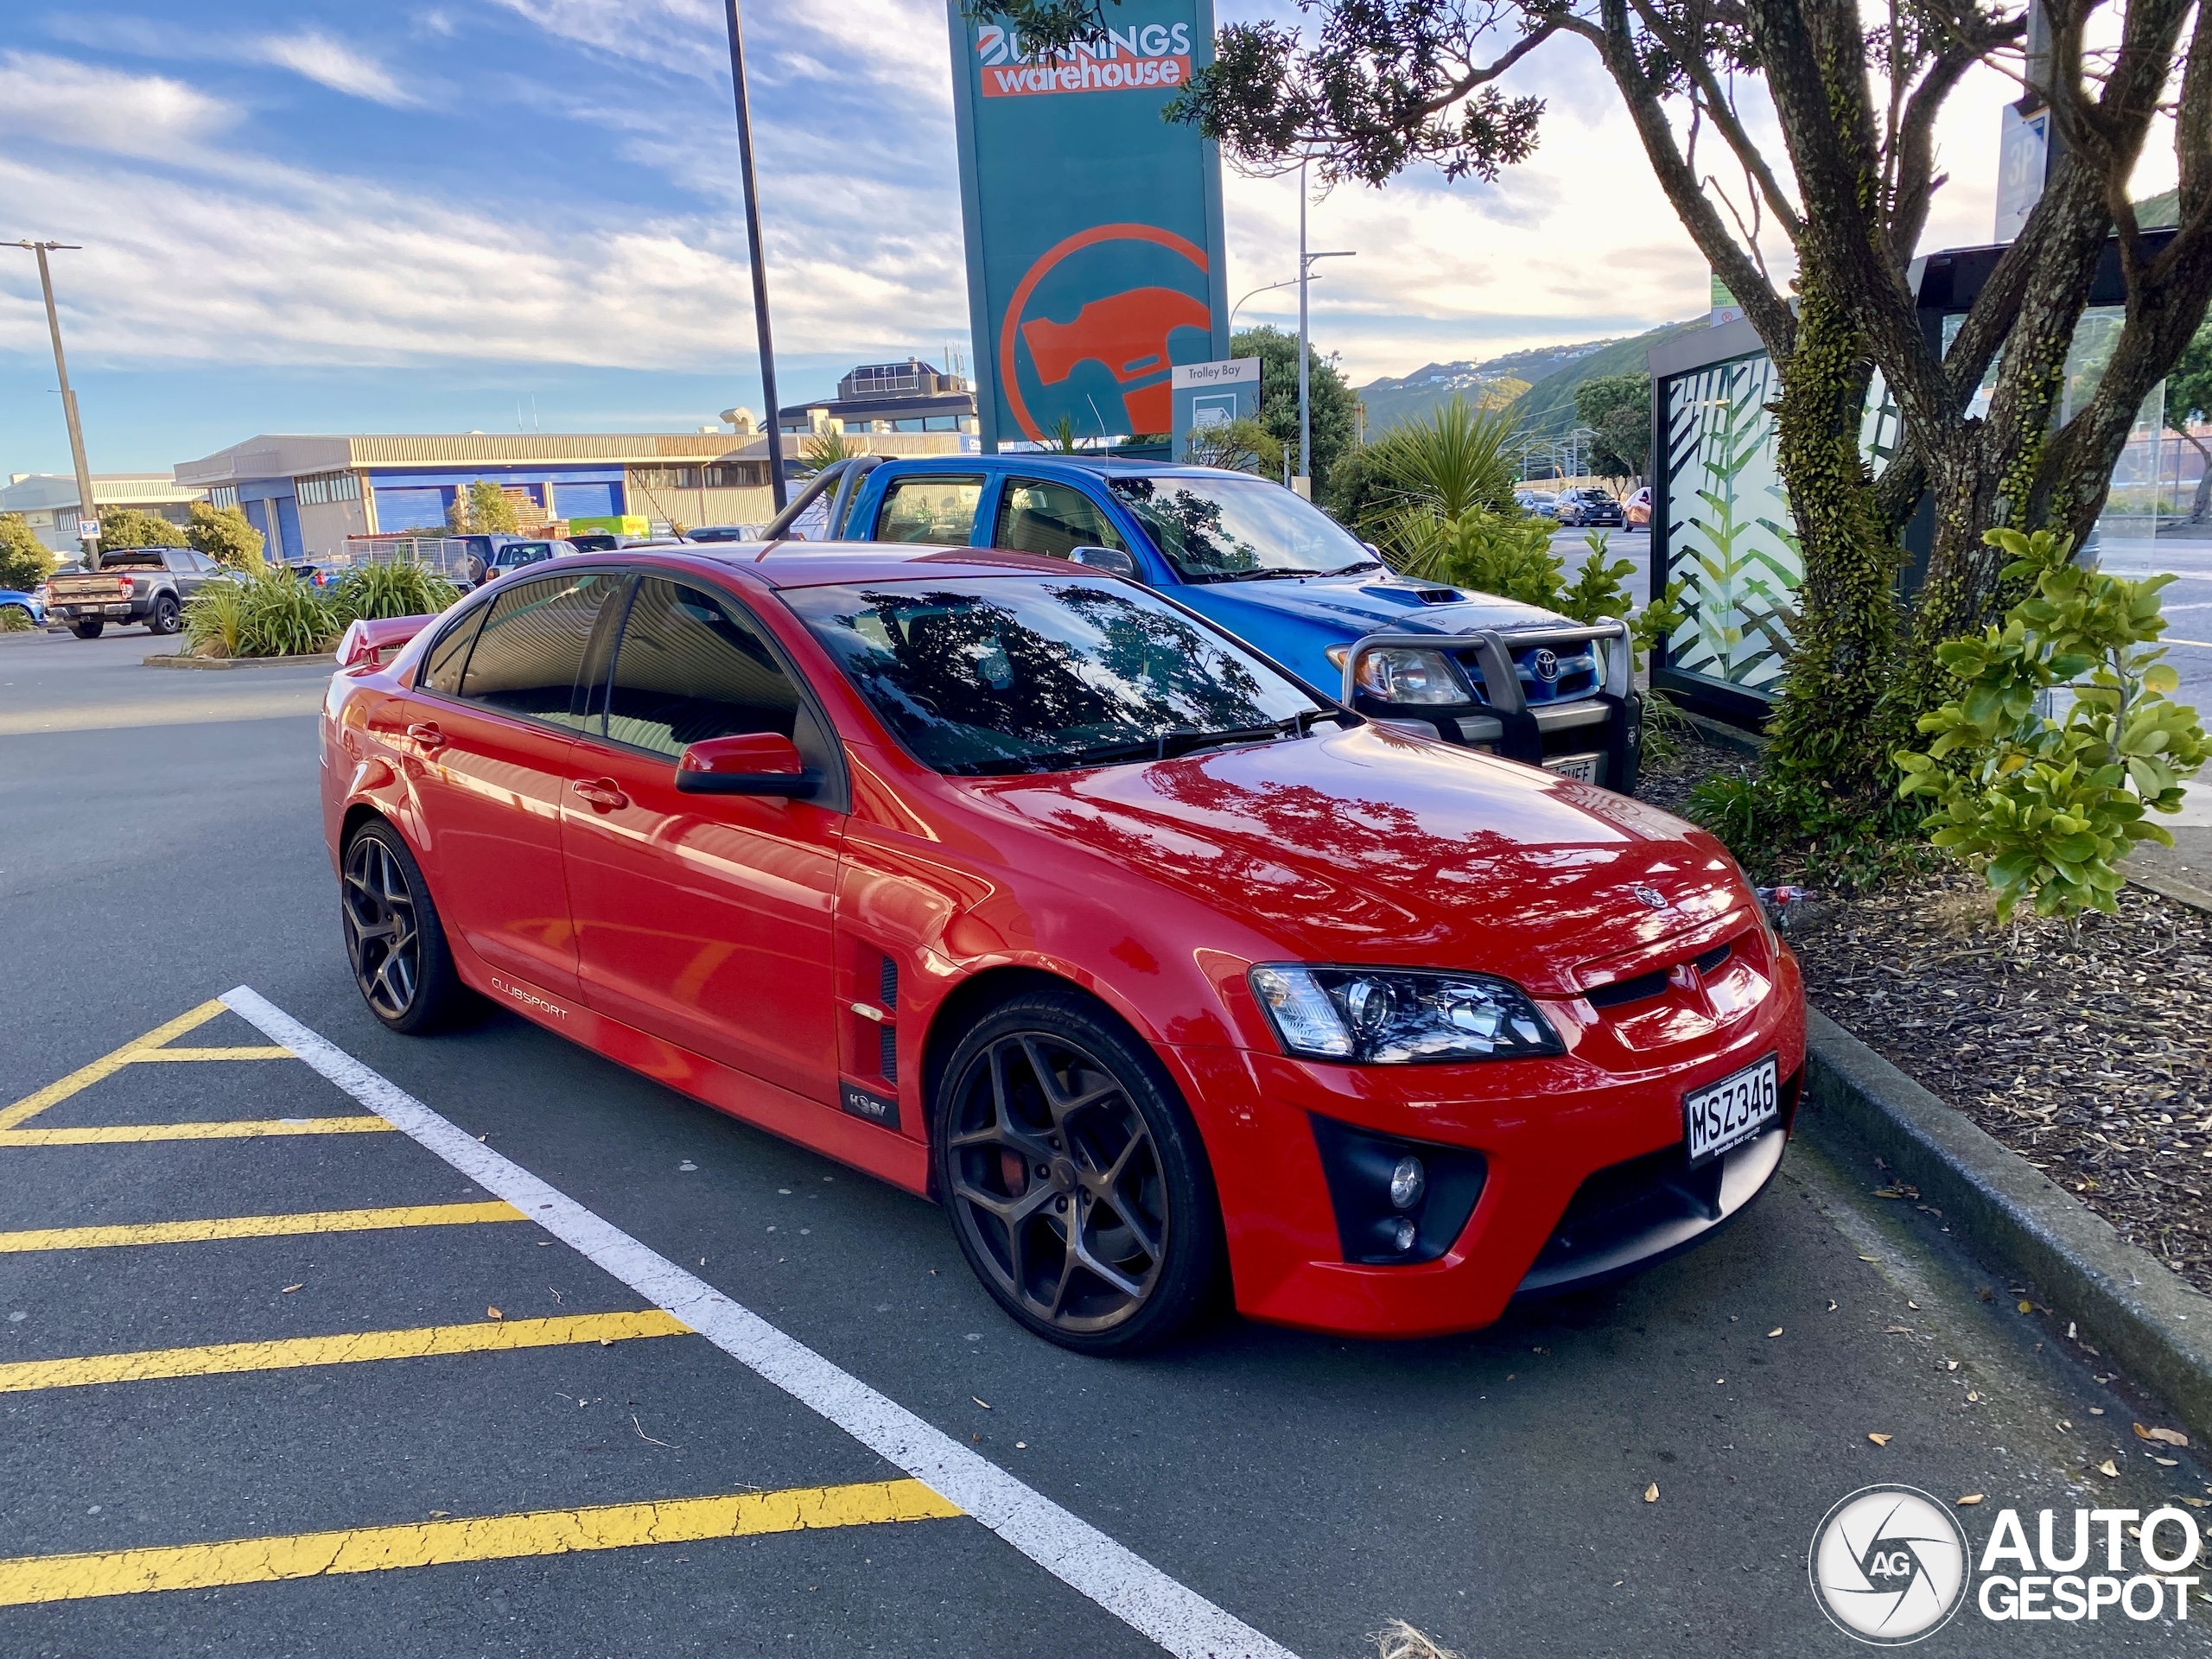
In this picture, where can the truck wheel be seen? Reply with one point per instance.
(88, 629)
(167, 616)
(394, 942)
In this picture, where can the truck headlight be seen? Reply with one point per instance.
(1409, 674)
(1388, 1016)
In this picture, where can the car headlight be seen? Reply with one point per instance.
(1401, 674)
(1387, 1016)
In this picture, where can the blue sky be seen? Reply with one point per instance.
(315, 218)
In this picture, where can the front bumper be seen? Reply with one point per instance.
(1585, 1175)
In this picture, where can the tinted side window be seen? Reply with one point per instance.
(688, 669)
(929, 510)
(450, 655)
(532, 644)
(1053, 520)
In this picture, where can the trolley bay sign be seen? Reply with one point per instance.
(1094, 228)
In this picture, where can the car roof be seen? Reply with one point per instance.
(819, 564)
(1024, 460)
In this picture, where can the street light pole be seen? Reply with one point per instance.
(1303, 483)
(760, 270)
(86, 508)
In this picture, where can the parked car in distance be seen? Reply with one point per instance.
(607, 540)
(1540, 502)
(1027, 887)
(1637, 508)
(511, 556)
(133, 584)
(31, 605)
(723, 533)
(1278, 572)
(1586, 506)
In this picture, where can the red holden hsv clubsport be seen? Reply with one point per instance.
(1016, 884)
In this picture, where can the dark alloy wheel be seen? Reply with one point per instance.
(394, 942)
(1079, 1190)
(88, 629)
(166, 617)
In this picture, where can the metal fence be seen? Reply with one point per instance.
(444, 555)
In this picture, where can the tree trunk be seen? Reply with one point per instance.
(2202, 504)
(1826, 730)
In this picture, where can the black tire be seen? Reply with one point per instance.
(1050, 1107)
(169, 615)
(89, 628)
(394, 942)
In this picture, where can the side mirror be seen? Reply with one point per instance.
(1111, 560)
(752, 763)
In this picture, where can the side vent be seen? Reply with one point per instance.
(887, 1038)
(888, 992)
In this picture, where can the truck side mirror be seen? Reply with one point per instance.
(1111, 560)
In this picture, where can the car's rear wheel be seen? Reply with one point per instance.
(394, 942)
(1078, 1187)
(167, 614)
(88, 629)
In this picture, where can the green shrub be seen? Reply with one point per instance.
(25, 561)
(1780, 828)
(2048, 807)
(225, 535)
(272, 615)
(122, 527)
(14, 618)
(1492, 552)
(398, 588)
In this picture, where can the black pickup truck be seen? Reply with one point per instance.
(131, 584)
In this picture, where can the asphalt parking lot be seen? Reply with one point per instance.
(255, 1398)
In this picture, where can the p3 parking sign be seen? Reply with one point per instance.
(1094, 228)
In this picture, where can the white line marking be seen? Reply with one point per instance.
(1072, 1549)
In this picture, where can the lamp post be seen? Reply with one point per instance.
(752, 245)
(1262, 289)
(1303, 483)
(87, 507)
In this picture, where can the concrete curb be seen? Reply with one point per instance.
(2167, 885)
(158, 661)
(2133, 1307)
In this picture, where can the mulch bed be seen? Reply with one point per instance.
(2088, 1050)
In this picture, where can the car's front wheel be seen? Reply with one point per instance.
(394, 942)
(1078, 1187)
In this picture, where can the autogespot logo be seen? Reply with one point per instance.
(1889, 1565)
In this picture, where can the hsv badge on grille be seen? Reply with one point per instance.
(1651, 896)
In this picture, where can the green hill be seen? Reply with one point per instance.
(1547, 409)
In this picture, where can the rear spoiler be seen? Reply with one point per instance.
(373, 641)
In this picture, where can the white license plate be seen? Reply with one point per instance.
(1582, 768)
(1732, 1111)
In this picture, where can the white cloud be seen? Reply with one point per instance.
(334, 64)
(57, 101)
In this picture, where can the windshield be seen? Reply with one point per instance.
(1225, 529)
(1046, 673)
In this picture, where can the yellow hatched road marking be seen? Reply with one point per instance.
(106, 1135)
(262, 1051)
(480, 1538)
(84, 1075)
(222, 1358)
(312, 1221)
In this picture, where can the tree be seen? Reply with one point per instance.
(25, 561)
(1244, 445)
(2188, 400)
(122, 527)
(226, 536)
(1332, 396)
(482, 509)
(1617, 408)
(1386, 84)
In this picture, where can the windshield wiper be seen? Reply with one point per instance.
(1347, 570)
(1264, 574)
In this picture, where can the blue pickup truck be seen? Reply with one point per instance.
(1474, 668)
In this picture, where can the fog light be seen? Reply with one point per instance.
(1408, 1182)
(1403, 1235)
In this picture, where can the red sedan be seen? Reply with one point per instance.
(1019, 885)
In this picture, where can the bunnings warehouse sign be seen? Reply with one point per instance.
(1094, 228)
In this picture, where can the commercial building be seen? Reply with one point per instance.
(909, 397)
(309, 494)
(49, 504)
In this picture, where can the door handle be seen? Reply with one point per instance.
(601, 793)
(427, 733)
